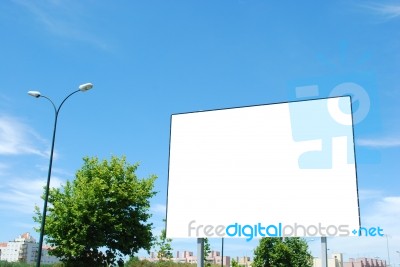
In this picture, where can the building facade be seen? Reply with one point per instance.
(25, 249)
(244, 261)
(336, 260)
(188, 257)
(365, 262)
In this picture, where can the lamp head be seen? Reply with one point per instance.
(85, 87)
(34, 93)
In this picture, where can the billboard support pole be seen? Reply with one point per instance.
(200, 252)
(222, 255)
(324, 250)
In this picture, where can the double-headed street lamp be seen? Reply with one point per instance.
(37, 94)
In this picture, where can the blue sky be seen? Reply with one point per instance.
(150, 59)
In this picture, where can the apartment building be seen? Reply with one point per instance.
(336, 260)
(24, 249)
(188, 257)
(244, 261)
(365, 262)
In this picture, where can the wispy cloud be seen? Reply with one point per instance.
(3, 166)
(4, 98)
(388, 10)
(64, 19)
(388, 142)
(21, 195)
(368, 194)
(17, 138)
(159, 209)
(55, 171)
(389, 207)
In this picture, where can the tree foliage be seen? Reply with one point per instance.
(207, 247)
(207, 251)
(101, 215)
(164, 246)
(275, 252)
(234, 263)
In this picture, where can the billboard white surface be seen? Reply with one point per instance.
(283, 169)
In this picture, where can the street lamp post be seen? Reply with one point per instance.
(37, 94)
(387, 246)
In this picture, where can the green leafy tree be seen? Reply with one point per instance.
(207, 248)
(133, 261)
(101, 216)
(275, 252)
(234, 263)
(207, 251)
(164, 246)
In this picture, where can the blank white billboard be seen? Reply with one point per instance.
(283, 169)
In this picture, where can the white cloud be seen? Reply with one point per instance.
(368, 194)
(3, 167)
(390, 205)
(63, 19)
(17, 138)
(54, 170)
(4, 98)
(387, 10)
(159, 209)
(379, 143)
(385, 212)
(21, 195)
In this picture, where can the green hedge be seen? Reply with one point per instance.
(131, 263)
(21, 264)
(145, 263)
